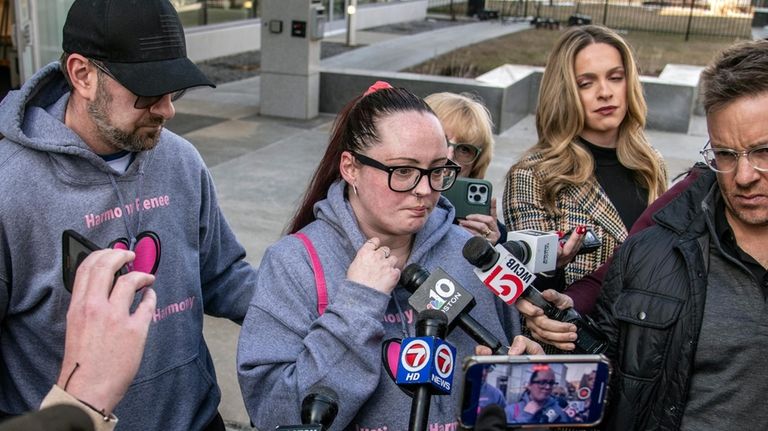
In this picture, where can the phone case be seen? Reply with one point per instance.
(475, 387)
(590, 243)
(470, 196)
(74, 249)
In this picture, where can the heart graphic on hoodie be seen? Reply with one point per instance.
(390, 358)
(147, 251)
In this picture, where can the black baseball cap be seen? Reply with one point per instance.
(140, 42)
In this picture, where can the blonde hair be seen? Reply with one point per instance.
(470, 121)
(560, 118)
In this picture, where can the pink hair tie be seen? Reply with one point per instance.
(378, 85)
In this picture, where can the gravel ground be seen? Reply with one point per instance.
(246, 64)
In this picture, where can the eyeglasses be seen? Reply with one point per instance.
(465, 153)
(725, 160)
(406, 178)
(544, 382)
(142, 102)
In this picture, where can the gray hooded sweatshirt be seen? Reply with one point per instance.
(286, 347)
(51, 181)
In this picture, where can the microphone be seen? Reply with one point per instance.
(550, 415)
(440, 291)
(318, 410)
(508, 278)
(535, 248)
(427, 362)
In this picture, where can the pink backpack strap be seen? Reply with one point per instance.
(317, 268)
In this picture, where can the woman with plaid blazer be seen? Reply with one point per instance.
(592, 166)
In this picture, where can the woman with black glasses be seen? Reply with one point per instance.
(537, 404)
(372, 207)
(469, 129)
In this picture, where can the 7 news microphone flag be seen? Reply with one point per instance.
(427, 363)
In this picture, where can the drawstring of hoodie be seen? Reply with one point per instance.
(131, 233)
(403, 325)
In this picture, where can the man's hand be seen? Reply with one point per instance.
(559, 334)
(105, 342)
(521, 345)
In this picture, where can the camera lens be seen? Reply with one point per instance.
(483, 189)
(476, 198)
(473, 189)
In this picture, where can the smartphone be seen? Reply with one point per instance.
(545, 391)
(590, 243)
(75, 248)
(470, 196)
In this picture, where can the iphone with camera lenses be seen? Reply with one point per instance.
(544, 391)
(470, 196)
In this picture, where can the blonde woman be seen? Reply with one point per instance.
(469, 129)
(592, 166)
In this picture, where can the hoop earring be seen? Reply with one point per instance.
(354, 189)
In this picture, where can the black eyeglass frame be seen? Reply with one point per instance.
(477, 149)
(142, 102)
(746, 153)
(367, 161)
(551, 383)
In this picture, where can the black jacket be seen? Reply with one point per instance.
(651, 308)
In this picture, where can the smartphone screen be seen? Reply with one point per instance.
(549, 393)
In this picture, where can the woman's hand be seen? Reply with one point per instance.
(374, 267)
(532, 407)
(568, 250)
(559, 334)
(483, 225)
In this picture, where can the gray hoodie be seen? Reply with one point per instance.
(285, 348)
(51, 181)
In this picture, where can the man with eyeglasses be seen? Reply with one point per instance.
(684, 301)
(85, 149)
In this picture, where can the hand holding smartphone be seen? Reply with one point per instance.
(75, 248)
(590, 243)
(470, 196)
(536, 391)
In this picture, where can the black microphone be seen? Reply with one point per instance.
(508, 278)
(417, 280)
(318, 410)
(429, 323)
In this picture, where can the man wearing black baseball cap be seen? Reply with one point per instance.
(85, 149)
(141, 44)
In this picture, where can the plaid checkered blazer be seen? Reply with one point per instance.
(584, 204)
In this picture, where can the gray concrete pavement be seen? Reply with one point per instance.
(262, 165)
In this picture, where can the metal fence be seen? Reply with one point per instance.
(725, 18)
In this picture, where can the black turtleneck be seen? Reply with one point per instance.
(618, 183)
